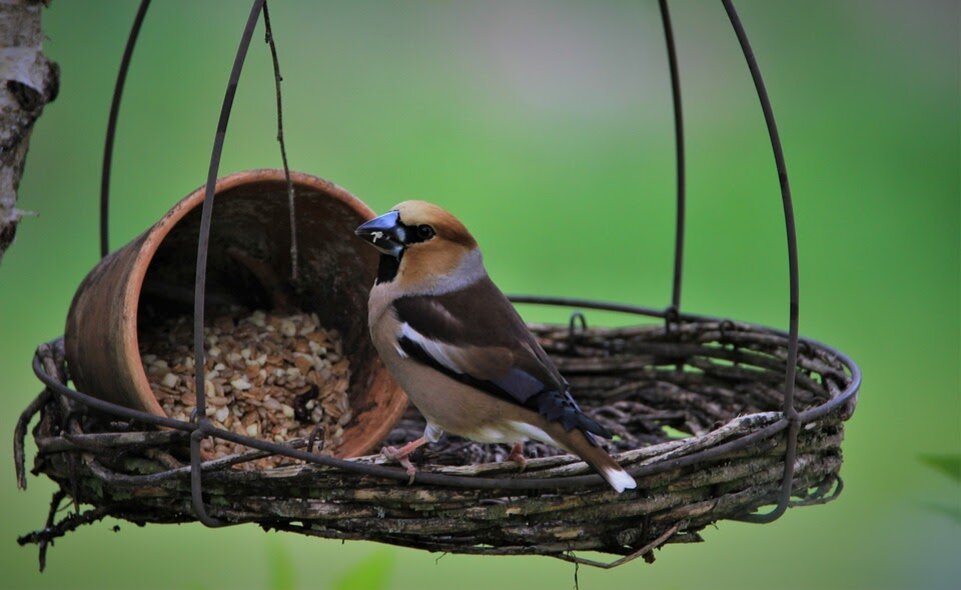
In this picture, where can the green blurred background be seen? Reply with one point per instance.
(546, 127)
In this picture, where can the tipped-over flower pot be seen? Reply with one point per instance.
(151, 280)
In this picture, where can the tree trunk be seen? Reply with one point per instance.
(28, 81)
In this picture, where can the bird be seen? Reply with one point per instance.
(458, 348)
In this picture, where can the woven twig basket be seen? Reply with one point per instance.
(719, 382)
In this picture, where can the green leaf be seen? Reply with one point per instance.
(371, 573)
(674, 433)
(953, 512)
(280, 567)
(947, 464)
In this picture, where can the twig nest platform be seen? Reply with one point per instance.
(696, 410)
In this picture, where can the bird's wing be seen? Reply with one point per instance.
(475, 336)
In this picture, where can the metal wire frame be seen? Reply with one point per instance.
(112, 128)
(200, 427)
(790, 412)
(679, 159)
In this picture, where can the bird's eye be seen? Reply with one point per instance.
(425, 232)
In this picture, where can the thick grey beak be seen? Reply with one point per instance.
(386, 233)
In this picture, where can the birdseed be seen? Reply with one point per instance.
(270, 376)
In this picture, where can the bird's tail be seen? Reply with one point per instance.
(577, 442)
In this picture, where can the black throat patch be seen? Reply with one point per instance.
(387, 268)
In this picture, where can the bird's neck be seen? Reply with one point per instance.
(387, 269)
(412, 275)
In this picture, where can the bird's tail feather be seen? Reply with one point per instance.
(578, 443)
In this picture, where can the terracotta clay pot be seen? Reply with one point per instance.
(249, 263)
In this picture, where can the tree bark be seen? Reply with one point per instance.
(28, 81)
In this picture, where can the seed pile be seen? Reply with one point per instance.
(270, 376)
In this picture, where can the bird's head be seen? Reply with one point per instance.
(421, 244)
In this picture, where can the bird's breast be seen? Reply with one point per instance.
(455, 407)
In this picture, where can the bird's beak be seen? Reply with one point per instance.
(386, 233)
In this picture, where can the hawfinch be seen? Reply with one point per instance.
(455, 344)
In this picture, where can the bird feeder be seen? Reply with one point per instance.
(716, 418)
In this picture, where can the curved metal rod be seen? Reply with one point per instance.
(679, 154)
(600, 305)
(196, 484)
(200, 280)
(112, 128)
(576, 318)
(790, 413)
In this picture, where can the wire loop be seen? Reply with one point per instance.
(576, 318)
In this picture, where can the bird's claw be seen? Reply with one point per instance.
(517, 456)
(394, 454)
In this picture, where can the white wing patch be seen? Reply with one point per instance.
(437, 350)
(532, 432)
(511, 431)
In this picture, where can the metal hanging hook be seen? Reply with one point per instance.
(576, 317)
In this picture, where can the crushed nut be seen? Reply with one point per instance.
(269, 376)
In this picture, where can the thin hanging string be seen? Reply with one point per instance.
(269, 39)
(112, 128)
(679, 157)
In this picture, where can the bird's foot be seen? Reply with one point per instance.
(402, 457)
(517, 456)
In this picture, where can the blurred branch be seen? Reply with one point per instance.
(28, 81)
